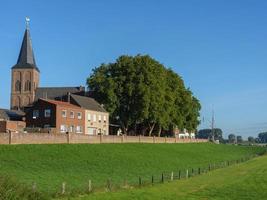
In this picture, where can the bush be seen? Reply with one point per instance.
(10, 189)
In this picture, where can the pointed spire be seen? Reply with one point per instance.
(26, 56)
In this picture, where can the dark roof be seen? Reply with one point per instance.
(56, 93)
(11, 115)
(26, 57)
(87, 103)
(60, 103)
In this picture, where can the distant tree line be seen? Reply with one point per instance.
(232, 138)
(262, 138)
(143, 96)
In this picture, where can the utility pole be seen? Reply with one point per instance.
(212, 126)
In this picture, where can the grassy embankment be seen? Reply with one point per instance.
(242, 181)
(49, 165)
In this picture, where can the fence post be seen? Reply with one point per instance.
(122, 138)
(172, 176)
(140, 181)
(152, 179)
(162, 178)
(186, 174)
(109, 185)
(63, 189)
(10, 137)
(179, 174)
(34, 187)
(139, 138)
(175, 139)
(165, 139)
(89, 186)
(199, 170)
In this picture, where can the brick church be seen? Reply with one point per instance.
(25, 88)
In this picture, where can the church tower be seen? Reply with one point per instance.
(25, 75)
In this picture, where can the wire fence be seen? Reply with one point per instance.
(65, 188)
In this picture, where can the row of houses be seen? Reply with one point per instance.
(79, 114)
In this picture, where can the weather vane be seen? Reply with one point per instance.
(27, 19)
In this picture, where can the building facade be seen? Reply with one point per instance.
(57, 116)
(96, 117)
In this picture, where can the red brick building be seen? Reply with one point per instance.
(60, 117)
(11, 121)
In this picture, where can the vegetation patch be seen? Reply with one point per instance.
(48, 166)
(242, 181)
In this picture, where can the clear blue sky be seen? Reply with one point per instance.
(218, 47)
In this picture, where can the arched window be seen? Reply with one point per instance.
(17, 86)
(27, 86)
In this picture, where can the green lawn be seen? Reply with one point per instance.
(50, 165)
(243, 181)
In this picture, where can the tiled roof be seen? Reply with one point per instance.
(87, 103)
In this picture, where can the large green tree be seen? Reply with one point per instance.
(141, 94)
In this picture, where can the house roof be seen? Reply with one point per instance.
(56, 92)
(26, 56)
(61, 103)
(87, 103)
(6, 114)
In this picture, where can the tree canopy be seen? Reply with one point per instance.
(232, 138)
(142, 95)
(262, 137)
(207, 134)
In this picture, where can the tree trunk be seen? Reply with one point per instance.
(151, 128)
(159, 131)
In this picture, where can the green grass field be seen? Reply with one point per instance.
(50, 165)
(242, 181)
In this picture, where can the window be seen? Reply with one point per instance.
(27, 86)
(71, 114)
(63, 128)
(105, 118)
(94, 118)
(79, 115)
(71, 129)
(89, 117)
(47, 113)
(79, 129)
(64, 113)
(99, 118)
(17, 86)
(35, 114)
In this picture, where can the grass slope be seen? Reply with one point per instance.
(243, 181)
(49, 165)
